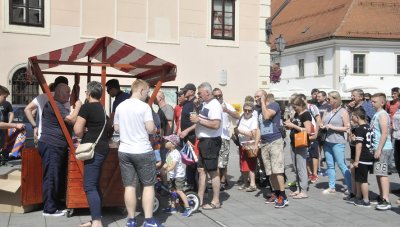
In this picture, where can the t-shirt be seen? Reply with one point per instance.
(94, 115)
(169, 115)
(51, 129)
(299, 121)
(247, 125)
(226, 123)
(40, 101)
(391, 107)
(364, 135)
(155, 139)
(324, 108)
(5, 110)
(187, 107)
(269, 128)
(211, 110)
(377, 131)
(119, 98)
(180, 168)
(177, 115)
(314, 111)
(131, 116)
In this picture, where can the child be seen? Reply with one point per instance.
(383, 149)
(176, 171)
(364, 156)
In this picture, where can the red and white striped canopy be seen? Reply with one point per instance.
(142, 65)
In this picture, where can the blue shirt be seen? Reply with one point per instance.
(269, 128)
(120, 97)
(369, 110)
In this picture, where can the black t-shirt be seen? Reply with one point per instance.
(187, 107)
(299, 121)
(363, 135)
(93, 113)
(5, 109)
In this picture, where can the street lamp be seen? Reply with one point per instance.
(280, 44)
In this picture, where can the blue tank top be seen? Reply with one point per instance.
(377, 131)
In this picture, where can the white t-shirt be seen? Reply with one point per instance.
(226, 123)
(247, 125)
(131, 116)
(180, 168)
(210, 111)
(40, 101)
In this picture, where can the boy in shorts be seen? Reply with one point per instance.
(176, 173)
(380, 126)
(364, 156)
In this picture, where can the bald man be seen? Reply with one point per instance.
(52, 148)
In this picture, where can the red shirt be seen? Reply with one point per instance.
(177, 115)
(391, 108)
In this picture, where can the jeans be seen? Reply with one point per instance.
(52, 161)
(91, 183)
(334, 153)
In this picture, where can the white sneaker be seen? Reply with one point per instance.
(58, 213)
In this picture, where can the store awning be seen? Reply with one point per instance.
(110, 53)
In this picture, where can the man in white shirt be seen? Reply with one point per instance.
(208, 131)
(133, 120)
(228, 112)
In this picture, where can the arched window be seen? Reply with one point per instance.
(24, 89)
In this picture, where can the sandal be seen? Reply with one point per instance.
(86, 224)
(294, 193)
(300, 196)
(241, 188)
(251, 189)
(211, 206)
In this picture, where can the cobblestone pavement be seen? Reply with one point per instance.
(247, 208)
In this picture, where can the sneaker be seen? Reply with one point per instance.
(170, 210)
(328, 191)
(313, 178)
(131, 222)
(362, 203)
(58, 213)
(350, 198)
(384, 205)
(152, 223)
(280, 202)
(376, 200)
(271, 199)
(187, 212)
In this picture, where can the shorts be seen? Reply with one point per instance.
(381, 166)
(224, 154)
(177, 183)
(273, 157)
(247, 164)
(361, 172)
(313, 150)
(209, 151)
(137, 167)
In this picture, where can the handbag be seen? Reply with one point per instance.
(188, 155)
(85, 151)
(235, 137)
(301, 139)
(249, 148)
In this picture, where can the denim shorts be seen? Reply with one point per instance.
(137, 167)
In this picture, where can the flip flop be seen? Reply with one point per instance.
(211, 206)
(86, 224)
(300, 196)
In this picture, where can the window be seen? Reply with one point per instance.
(398, 64)
(223, 19)
(27, 12)
(301, 68)
(24, 89)
(320, 62)
(359, 63)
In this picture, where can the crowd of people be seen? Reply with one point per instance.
(149, 143)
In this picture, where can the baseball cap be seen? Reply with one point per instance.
(174, 139)
(188, 87)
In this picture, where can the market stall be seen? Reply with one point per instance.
(103, 52)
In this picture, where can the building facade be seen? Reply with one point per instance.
(219, 41)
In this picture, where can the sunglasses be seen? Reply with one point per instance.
(218, 96)
(247, 111)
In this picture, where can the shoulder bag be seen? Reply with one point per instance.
(323, 132)
(235, 136)
(85, 151)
